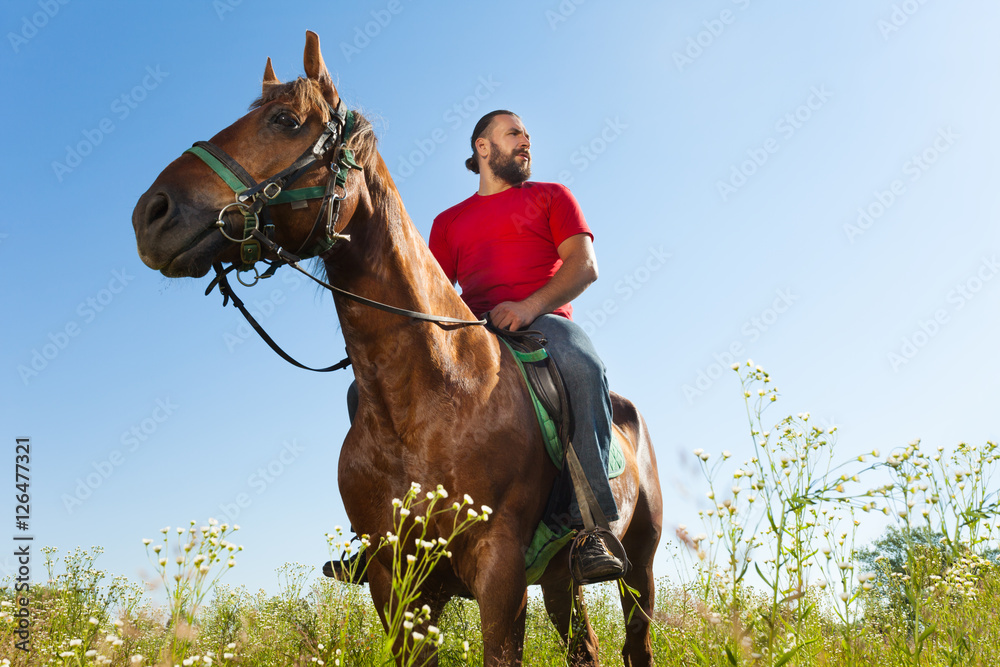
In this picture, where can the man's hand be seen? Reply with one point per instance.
(513, 315)
(578, 270)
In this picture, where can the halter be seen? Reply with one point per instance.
(252, 198)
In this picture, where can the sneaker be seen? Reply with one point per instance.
(593, 561)
(350, 571)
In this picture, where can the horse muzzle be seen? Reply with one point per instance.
(175, 238)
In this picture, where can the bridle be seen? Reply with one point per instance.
(252, 200)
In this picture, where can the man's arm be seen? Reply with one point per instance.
(578, 271)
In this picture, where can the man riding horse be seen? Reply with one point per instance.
(439, 399)
(521, 251)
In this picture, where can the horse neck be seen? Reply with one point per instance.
(388, 261)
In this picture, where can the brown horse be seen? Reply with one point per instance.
(438, 404)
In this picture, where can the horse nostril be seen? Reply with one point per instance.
(157, 208)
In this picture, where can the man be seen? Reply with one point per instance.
(521, 251)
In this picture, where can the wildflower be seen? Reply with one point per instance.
(472, 513)
(418, 637)
(405, 512)
(467, 498)
(75, 642)
(146, 541)
(410, 558)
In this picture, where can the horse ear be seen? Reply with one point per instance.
(315, 68)
(269, 77)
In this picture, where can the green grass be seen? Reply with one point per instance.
(926, 593)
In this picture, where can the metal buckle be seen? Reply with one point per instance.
(266, 191)
(250, 252)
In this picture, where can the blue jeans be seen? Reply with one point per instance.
(589, 399)
(583, 374)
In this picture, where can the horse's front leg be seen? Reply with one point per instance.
(387, 604)
(500, 587)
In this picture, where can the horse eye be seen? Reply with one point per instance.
(286, 119)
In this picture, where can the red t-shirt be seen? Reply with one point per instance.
(502, 247)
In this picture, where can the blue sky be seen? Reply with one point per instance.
(811, 185)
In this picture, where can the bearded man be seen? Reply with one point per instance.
(521, 251)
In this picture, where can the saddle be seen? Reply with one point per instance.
(547, 390)
(542, 375)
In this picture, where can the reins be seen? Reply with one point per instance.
(252, 198)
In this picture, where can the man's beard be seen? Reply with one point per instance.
(507, 167)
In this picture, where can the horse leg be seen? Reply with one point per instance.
(500, 587)
(564, 604)
(380, 586)
(638, 594)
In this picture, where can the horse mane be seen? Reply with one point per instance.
(303, 93)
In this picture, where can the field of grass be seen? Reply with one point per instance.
(926, 593)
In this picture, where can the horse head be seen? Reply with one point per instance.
(203, 207)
